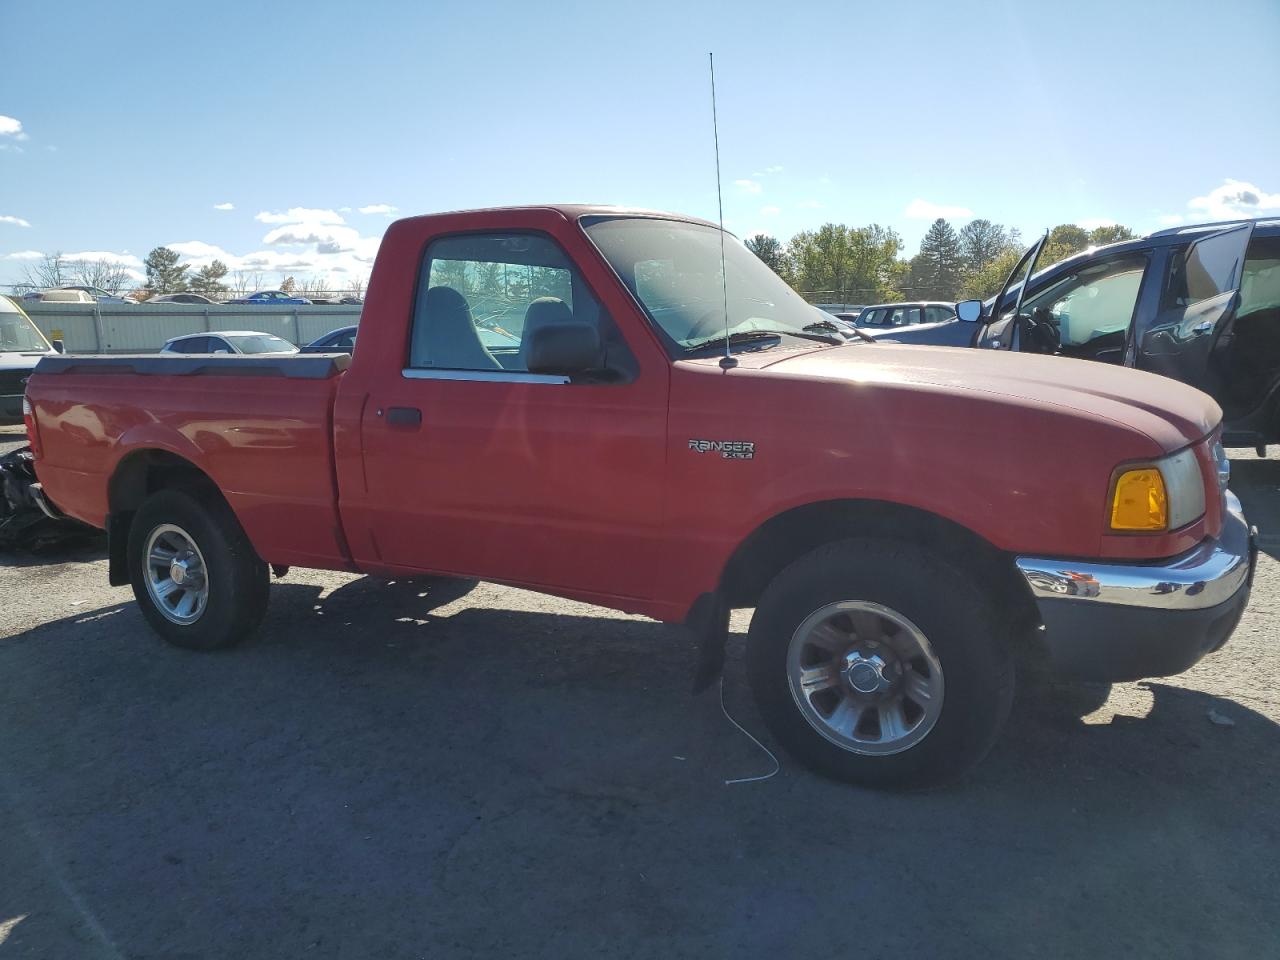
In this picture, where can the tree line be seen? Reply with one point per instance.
(165, 273)
(837, 263)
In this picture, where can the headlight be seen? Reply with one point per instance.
(1163, 495)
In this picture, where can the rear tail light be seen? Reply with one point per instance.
(33, 432)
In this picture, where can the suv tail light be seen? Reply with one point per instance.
(33, 432)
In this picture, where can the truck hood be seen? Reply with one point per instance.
(1171, 413)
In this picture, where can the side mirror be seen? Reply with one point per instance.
(564, 348)
(970, 311)
(58, 346)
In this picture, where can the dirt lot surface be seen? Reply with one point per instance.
(411, 770)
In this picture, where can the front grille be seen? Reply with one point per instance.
(13, 382)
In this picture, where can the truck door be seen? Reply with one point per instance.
(1194, 327)
(474, 465)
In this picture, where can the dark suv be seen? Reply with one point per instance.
(1200, 304)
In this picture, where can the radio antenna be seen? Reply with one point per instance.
(728, 361)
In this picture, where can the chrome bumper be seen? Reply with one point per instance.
(1206, 576)
(1119, 621)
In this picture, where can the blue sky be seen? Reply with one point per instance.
(125, 126)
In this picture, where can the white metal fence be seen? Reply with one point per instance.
(138, 328)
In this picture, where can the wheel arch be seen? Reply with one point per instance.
(137, 475)
(787, 536)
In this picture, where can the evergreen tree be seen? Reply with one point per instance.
(164, 273)
(208, 279)
(937, 270)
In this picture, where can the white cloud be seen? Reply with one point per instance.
(224, 206)
(24, 255)
(748, 186)
(9, 127)
(300, 215)
(919, 209)
(384, 208)
(1234, 199)
(773, 169)
(771, 211)
(327, 239)
(16, 221)
(303, 250)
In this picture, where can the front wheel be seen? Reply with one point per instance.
(878, 663)
(196, 577)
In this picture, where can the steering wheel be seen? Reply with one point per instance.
(1040, 331)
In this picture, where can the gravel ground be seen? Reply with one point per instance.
(395, 770)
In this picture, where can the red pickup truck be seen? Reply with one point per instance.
(565, 398)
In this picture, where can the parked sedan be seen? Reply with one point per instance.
(59, 295)
(271, 298)
(91, 294)
(885, 315)
(342, 340)
(912, 322)
(193, 299)
(228, 341)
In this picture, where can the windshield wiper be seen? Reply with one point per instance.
(836, 335)
(828, 325)
(745, 336)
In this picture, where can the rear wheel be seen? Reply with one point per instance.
(195, 575)
(878, 663)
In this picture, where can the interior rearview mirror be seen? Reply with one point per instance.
(564, 348)
(970, 311)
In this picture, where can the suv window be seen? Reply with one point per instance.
(938, 314)
(1091, 308)
(481, 295)
(191, 345)
(1260, 284)
(903, 317)
(874, 318)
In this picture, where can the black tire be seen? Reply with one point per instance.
(238, 580)
(951, 611)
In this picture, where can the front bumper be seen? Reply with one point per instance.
(10, 409)
(1110, 621)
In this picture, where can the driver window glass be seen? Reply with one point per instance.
(904, 316)
(1206, 269)
(1091, 310)
(481, 296)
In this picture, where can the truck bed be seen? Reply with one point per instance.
(261, 428)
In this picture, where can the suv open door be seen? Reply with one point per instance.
(1194, 328)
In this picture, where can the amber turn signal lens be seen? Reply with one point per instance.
(1140, 501)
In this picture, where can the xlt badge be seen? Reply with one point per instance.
(728, 449)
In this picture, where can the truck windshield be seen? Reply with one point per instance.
(673, 269)
(17, 333)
